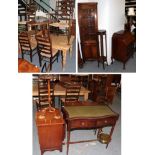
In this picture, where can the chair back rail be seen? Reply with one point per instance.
(27, 44)
(72, 93)
(43, 92)
(24, 41)
(44, 45)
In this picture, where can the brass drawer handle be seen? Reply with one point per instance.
(83, 123)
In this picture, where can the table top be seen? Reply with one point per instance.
(35, 23)
(60, 42)
(60, 25)
(26, 67)
(58, 90)
(89, 111)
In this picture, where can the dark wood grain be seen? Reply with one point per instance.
(88, 27)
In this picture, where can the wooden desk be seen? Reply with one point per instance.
(61, 91)
(88, 116)
(26, 67)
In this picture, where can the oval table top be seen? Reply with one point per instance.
(26, 67)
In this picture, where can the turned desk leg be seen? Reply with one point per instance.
(111, 132)
(68, 140)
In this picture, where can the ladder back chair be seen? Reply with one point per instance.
(72, 94)
(43, 98)
(45, 50)
(28, 44)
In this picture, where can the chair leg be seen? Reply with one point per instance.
(50, 64)
(62, 59)
(22, 55)
(57, 56)
(103, 63)
(40, 60)
(31, 56)
(98, 63)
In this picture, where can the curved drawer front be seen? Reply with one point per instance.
(83, 124)
(105, 121)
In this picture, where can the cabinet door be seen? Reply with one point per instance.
(88, 27)
(50, 136)
(90, 51)
(87, 16)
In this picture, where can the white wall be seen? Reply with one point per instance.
(111, 17)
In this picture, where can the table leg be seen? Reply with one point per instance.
(64, 54)
(68, 140)
(85, 96)
(70, 50)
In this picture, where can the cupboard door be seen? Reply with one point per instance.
(88, 27)
(90, 51)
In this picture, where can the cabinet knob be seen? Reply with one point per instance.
(105, 121)
(83, 123)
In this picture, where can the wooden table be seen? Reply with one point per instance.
(26, 67)
(63, 25)
(88, 116)
(59, 90)
(35, 24)
(60, 42)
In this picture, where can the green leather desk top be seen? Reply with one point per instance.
(89, 111)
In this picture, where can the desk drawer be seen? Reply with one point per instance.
(106, 121)
(83, 124)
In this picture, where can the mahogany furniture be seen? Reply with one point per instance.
(88, 116)
(103, 56)
(122, 46)
(51, 131)
(45, 49)
(88, 27)
(27, 44)
(26, 67)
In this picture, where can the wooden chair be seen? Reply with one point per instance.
(45, 50)
(43, 94)
(27, 44)
(72, 94)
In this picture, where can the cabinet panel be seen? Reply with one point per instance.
(88, 27)
(90, 50)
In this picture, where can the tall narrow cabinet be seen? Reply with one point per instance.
(88, 27)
